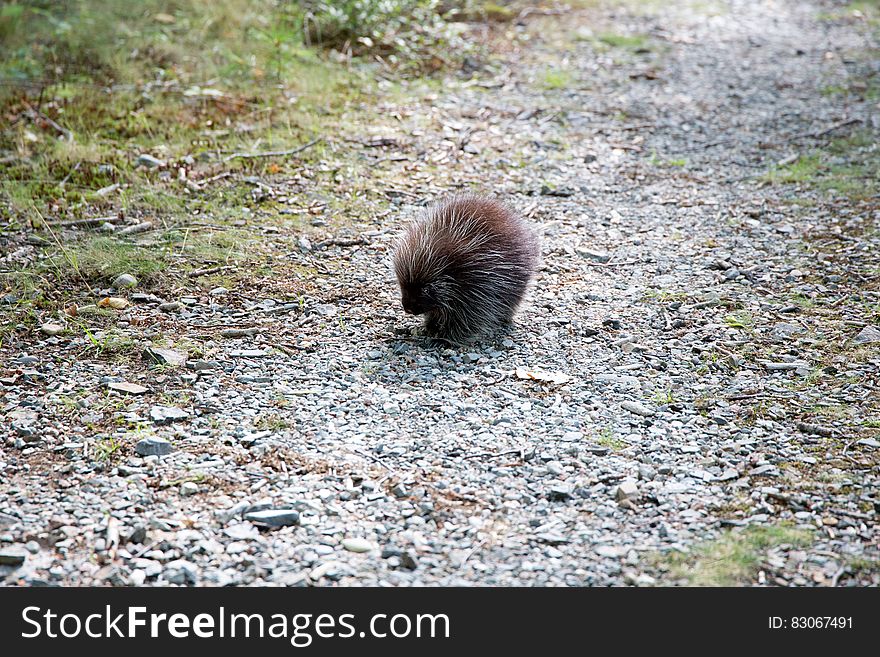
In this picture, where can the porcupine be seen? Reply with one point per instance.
(465, 264)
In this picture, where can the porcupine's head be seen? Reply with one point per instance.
(420, 267)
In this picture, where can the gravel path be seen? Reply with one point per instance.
(699, 352)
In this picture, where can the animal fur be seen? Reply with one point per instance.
(466, 264)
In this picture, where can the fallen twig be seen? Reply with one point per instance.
(209, 270)
(36, 114)
(292, 151)
(614, 264)
(822, 133)
(341, 242)
(137, 228)
(93, 221)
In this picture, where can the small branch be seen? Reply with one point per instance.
(341, 242)
(94, 221)
(625, 147)
(36, 114)
(292, 151)
(137, 228)
(822, 133)
(209, 270)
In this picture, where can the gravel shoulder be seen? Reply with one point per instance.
(699, 358)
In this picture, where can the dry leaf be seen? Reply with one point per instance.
(117, 303)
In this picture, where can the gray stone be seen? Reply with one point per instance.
(637, 408)
(13, 555)
(51, 329)
(590, 254)
(627, 490)
(162, 356)
(167, 414)
(326, 309)
(357, 545)
(408, 560)
(200, 365)
(153, 446)
(559, 492)
(249, 353)
(124, 281)
(552, 538)
(239, 332)
(181, 571)
(128, 388)
(764, 471)
(608, 551)
(274, 517)
(242, 531)
(728, 475)
(784, 330)
(147, 160)
(867, 335)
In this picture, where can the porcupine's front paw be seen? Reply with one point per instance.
(435, 328)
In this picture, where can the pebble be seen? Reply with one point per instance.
(153, 446)
(128, 388)
(274, 517)
(12, 555)
(181, 572)
(589, 254)
(167, 414)
(52, 329)
(638, 409)
(867, 335)
(627, 490)
(239, 332)
(162, 356)
(357, 545)
(147, 160)
(124, 281)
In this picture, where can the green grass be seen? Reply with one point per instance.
(848, 166)
(658, 161)
(107, 449)
(606, 438)
(271, 422)
(734, 558)
(665, 296)
(556, 80)
(664, 397)
(867, 10)
(803, 169)
(630, 42)
(89, 86)
(740, 319)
